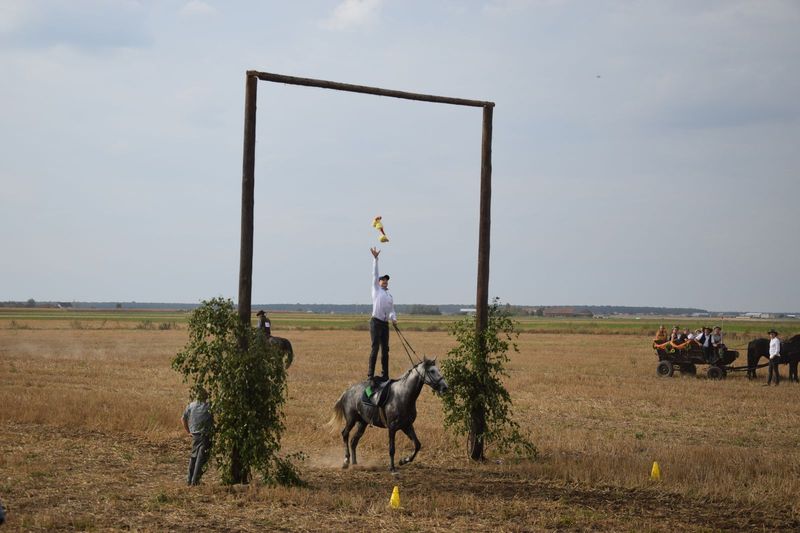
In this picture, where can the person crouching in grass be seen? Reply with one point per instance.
(199, 423)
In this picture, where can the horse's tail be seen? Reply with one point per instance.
(338, 413)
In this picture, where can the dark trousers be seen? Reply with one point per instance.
(773, 367)
(707, 353)
(379, 333)
(201, 447)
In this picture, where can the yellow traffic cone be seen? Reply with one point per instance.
(394, 501)
(655, 472)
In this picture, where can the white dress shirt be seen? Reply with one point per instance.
(382, 301)
(774, 347)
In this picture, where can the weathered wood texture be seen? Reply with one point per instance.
(484, 227)
(309, 82)
(248, 187)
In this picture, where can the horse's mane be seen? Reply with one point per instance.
(408, 372)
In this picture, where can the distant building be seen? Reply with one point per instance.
(467, 311)
(760, 315)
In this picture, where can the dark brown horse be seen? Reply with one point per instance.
(790, 354)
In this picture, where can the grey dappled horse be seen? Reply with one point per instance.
(399, 414)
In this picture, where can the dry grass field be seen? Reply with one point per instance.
(91, 440)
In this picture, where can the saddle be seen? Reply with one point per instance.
(377, 395)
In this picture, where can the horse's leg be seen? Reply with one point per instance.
(793, 370)
(409, 431)
(751, 365)
(362, 427)
(392, 431)
(345, 437)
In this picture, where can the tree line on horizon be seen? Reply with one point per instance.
(408, 309)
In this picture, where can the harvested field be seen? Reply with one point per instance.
(91, 440)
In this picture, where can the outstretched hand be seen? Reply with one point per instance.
(375, 252)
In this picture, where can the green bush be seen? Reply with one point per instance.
(478, 405)
(247, 389)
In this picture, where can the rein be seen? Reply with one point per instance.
(407, 346)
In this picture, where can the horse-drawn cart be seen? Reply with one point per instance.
(687, 356)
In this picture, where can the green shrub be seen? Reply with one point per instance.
(478, 405)
(246, 385)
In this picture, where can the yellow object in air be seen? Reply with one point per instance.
(394, 501)
(378, 225)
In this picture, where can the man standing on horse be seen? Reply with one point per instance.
(382, 313)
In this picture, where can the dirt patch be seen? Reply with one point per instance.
(65, 479)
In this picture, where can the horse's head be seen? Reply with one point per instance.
(433, 376)
(756, 349)
(791, 345)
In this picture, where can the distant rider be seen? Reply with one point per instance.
(264, 325)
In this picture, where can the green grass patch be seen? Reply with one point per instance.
(737, 331)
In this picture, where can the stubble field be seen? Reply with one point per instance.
(91, 440)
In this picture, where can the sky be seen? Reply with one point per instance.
(644, 153)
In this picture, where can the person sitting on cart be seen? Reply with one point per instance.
(699, 338)
(682, 336)
(673, 336)
(661, 335)
(717, 347)
(706, 344)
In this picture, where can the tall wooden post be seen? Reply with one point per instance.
(478, 416)
(485, 222)
(239, 472)
(248, 189)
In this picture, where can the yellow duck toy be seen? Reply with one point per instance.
(378, 225)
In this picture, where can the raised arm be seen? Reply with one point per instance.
(375, 254)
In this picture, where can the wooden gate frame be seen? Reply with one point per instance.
(248, 181)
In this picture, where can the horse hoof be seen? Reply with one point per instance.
(345, 465)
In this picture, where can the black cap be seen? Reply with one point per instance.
(260, 312)
(385, 276)
(772, 331)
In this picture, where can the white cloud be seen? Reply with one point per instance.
(352, 13)
(198, 7)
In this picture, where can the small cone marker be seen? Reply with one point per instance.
(394, 501)
(655, 472)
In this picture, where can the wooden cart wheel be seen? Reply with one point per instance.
(715, 372)
(665, 369)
